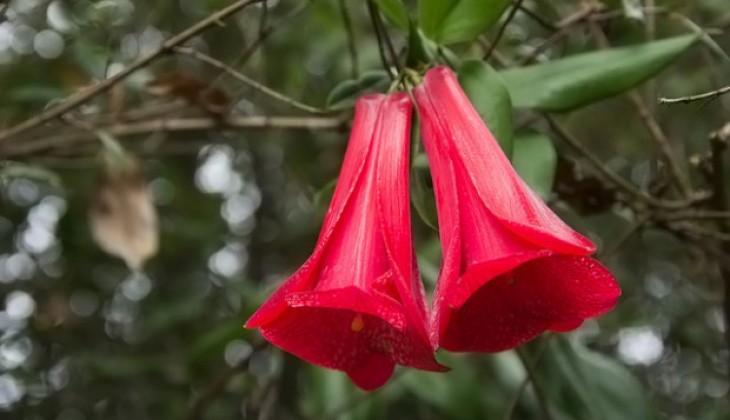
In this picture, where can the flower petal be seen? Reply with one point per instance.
(496, 182)
(556, 292)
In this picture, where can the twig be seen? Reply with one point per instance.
(521, 389)
(353, 403)
(4, 11)
(378, 21)
(714, 94)
(218, 385)
(92, 91)
(177, 125)
(537, 18)
(536, 385)
(615, 178)
(660, 139)
(698, 231)
(497, 56)
(718, 144)
(373, 11)
(625, 235)
(264, 33)
(517, 5)
(264, 18)
(351, 47)
(652, 126)
(695, 215)
(563, 29)
(247, 80)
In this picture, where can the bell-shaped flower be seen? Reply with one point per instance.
(357, 304)
(511, 268)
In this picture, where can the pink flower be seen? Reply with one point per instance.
(512, 269)
(357, 304)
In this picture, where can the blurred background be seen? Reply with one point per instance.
(240, 199)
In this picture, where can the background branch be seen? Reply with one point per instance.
(692, 98)
(86, 94)
(167, 125)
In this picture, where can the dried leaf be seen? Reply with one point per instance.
(194, 91)
(122, 215)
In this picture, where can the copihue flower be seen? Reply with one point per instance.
(357, 304)
(511, 268)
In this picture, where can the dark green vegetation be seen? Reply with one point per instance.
(571, 89)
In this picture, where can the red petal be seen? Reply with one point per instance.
(336, 339)
(372, 373)
(471, 145)
(393, 206)
(565, 326)
(353, 299)
(357, 305)
(553, 292)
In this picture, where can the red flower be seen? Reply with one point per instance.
(357, 304)
(512, 269)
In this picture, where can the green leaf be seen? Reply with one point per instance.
(421, 51)
(344, 94)
(592, 385)
(421, 161)
(490, 97)
(463, 393)
(396, 13)
(422, 195)
(535, 159)
(323, 197)
(448, 21)
(578, 80)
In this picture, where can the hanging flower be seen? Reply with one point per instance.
(512, 269)
(357, 304)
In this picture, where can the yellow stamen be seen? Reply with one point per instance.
(357, 323)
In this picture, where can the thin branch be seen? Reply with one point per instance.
(264, 33)
(563, 29)
(218, 385)
(351, 45)
(4, 11)
(616, 179)
(536, 385)
(498, 57)
(625, 235)
(85, 95)
(378, 22)
(714, 94)
(359, 399)
(655, 131)
(695, 215)
(537, 18)
(521, 389)
(503, 28)
(720, 200)
(372, 10)
(698, 231)
(247, 80)
(177, 125)
(660, 139)
(264, 18)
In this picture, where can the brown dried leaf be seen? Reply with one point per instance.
(194, 91)
(122, 215)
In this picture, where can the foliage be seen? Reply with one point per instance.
(240, 199)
